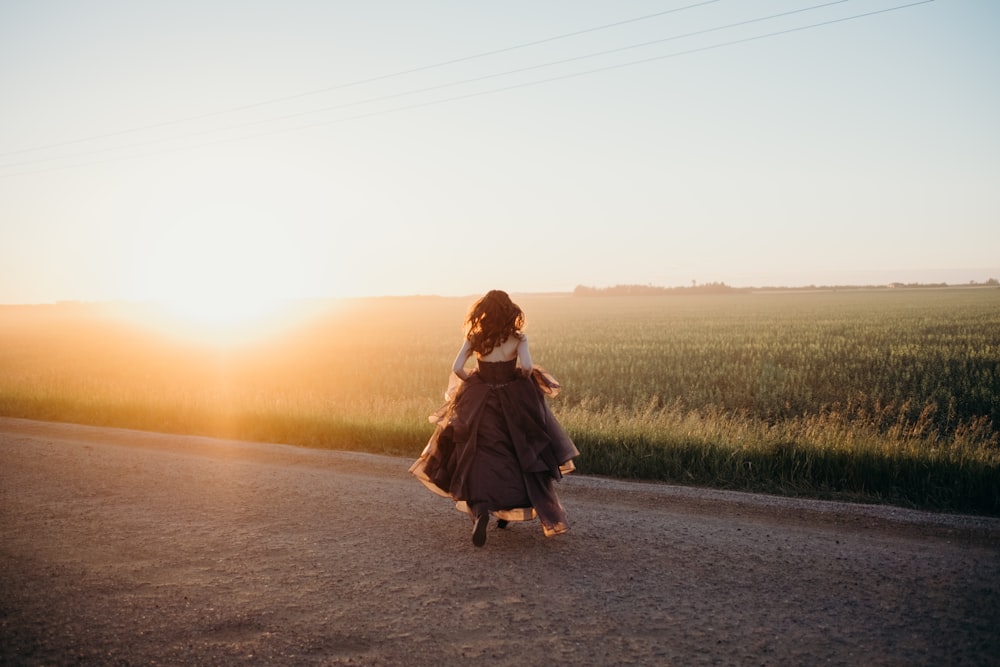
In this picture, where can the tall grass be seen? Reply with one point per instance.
(883, 395)
(828, 455)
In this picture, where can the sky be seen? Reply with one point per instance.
(241, 150)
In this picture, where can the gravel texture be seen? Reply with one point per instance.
(126, 547)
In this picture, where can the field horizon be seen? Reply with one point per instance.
(619, 289)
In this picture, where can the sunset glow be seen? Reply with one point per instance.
(216, 320)
(222, 317)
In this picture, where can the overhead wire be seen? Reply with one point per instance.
(350, 84)
(593, 71)
(512, 86)
(452, 84)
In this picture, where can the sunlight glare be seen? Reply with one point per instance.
(224, 320)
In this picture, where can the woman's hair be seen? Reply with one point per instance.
(491, 320)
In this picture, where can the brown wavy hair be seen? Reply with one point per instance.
(491, 320)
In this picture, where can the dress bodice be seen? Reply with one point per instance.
(497, 372)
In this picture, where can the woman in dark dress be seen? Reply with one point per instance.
(497, 448)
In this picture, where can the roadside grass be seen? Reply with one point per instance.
(832, 455)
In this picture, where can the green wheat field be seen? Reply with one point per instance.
(881, 395)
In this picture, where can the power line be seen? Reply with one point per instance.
(590, 71)
(452, 84)
(493, 91)
(359, 82)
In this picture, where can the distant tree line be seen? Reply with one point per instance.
(723, 288)
(655, 290)
(992, 282)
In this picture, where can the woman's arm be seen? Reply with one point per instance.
(524, 354)
(463, 355)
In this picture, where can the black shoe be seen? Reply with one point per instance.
(479, 530)
(502, 523)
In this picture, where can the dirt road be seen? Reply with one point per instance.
(125, 547)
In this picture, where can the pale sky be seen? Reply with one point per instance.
(252, 149)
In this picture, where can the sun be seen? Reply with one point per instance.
(218, 269)
(217, 321)
(221, 314)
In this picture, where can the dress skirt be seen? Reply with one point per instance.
(497, 447)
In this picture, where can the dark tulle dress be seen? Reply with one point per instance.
(498, 447)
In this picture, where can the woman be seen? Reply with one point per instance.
(497, 447)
